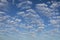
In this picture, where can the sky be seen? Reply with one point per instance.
(29, 19)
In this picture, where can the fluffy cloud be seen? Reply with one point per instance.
(48, 11)
(31, 17)
(28, 24)
(24, 5)
(55, 5)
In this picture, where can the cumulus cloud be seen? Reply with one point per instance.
(24, 5)
(28, 24)
(47, 11)
(31, 17)
(55, 5)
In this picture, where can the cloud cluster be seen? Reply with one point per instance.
(24, 5)
(28, 24)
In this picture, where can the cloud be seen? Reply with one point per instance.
(55, 23)
(4, 6)
(24, 5)
(3, 0)
(55, 5)
(2, 12)
(28, 24)
(3, 16)
(48, 11)
(31, 18)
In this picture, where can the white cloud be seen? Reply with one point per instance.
(29, 13)
(53, 21)
(42, 5)
(31, 19)
(56, 17)
(4, 6)
(2, 17)
(30, 23)
(2, 12)
(21, 13)
(18, 20)
(47, 11)
(24, 5)
(42, 8)
(55, 4)
(3, 0)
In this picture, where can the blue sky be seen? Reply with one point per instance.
(29, 19)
